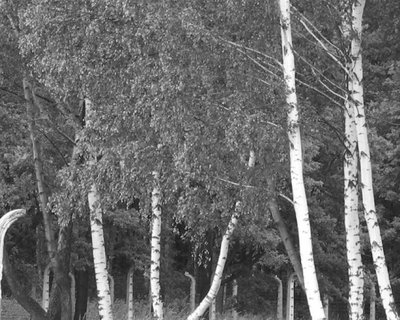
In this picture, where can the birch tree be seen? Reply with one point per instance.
(296, 167)
(99, 252)
(357, 96)
(156, 249)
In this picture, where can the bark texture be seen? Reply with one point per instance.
(192, 291)
(357, 95)
(296, 168)
(156, 249)
(129, 293)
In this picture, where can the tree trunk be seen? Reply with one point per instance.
(279, 303)
(82, 284)
(296, 168)
(372, 299)
(286, 239)
(192, 291)
(60, 266)
(357, 95)
(290, 297)
(27, 302)
(111, 283)
(73, 291)
(129, 292)
(46, 287)
(99, 252)
(156, 249)
(99, 255)
(5, 222)
(352, 224)
(206, 302)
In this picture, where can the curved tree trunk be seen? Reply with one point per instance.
(5, 222)
(296, 168)
(156, 249)
(357, 95)
(279, 303)
(205, 304)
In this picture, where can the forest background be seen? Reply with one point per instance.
(188, 89)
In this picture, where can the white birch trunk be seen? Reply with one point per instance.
(296, 168)
(351, 220)
(46, 287)
(73, 286)
(212, 314)
(99, 252)
(156, 249)
(223, 254)
(5, 222)
(192, 291)
(129, 293)
(356, 75)
(99, 256)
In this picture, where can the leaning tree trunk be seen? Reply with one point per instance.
(99, 252)
(296, 168)
(59, 257)
(156, 249)
(206, 302)
(356, 76)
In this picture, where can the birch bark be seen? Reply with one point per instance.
(99, 252)
(156, 249)
(296, 168)
(357, 95)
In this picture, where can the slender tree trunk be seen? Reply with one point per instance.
(202, 307)
(279, 303)
(111, 283)
(58, 262)
(129, 292)
(156, 249)
(46, 287)
(357, 95)
(290, 297)
(372, 299)
(286, 239)
(73, 291)
(296, 168)
(192, 291)
(99, 252)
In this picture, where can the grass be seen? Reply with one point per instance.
(11, 310)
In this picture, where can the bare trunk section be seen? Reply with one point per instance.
(99, 255)
(287, 240)
(290, 297)
(59, 261)
(73, 290)
(279, 300)
(156, 249)
(351, 220)
(5, 222)
(192, 291)
(46, 287)
(296, 168)
(357, 95)
(202, 307)
(99, 252)
(129, 292)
